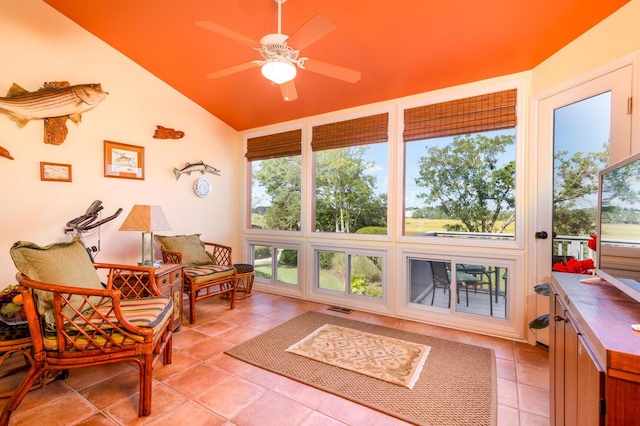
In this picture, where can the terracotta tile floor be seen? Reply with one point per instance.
(204, 386)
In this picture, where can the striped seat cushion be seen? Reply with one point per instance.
(204, 273)
(149, 312)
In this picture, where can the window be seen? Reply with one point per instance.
(581, 135)
(350, 273)
(460, 167)
(283, 270)
(479, 289)
(275, 168)
(351, 174)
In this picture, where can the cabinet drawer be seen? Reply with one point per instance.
(174, 277)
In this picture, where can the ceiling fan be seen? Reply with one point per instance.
(281, 59)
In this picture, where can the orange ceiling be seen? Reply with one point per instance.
(401, 48)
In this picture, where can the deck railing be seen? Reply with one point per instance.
(564, 245)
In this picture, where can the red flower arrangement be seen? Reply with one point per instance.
(593, 242)
(575, 266)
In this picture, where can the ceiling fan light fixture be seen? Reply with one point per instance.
(279, 71)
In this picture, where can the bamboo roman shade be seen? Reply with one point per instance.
(493, 111)
(359, 131)
(283, 144)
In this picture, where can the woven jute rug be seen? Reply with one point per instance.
(457, 385)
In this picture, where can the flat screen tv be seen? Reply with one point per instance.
(618, 250)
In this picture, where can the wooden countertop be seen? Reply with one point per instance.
(603, 315)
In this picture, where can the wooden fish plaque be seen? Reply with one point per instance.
(166, 133)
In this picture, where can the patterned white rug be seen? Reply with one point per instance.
(385, 358)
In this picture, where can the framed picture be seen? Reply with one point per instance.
(55, 172)
(123, 161)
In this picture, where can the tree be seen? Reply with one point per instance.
(620, 184)
(575, 179)
(345, 198)
(280, 178)
(465, 181)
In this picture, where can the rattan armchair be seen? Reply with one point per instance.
(128, 321)
(203, 280)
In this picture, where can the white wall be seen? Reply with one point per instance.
(613, 38)
(37, 45)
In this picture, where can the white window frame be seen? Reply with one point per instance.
(246, 199)
(355, 301)
(512, 326)
(312, 184)
(519, 241)
(272, 286)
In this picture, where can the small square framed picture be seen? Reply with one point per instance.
(55, 172)
(123, 160)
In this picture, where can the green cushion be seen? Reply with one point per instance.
(191, 247)
(65, 263)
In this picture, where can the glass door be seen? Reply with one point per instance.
(580, 131)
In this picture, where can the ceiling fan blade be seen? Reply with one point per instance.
(335, 71)
(315, 28)
(226, 32)
(288, 90)
(232, 70)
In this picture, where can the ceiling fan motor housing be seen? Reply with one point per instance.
(274, 46)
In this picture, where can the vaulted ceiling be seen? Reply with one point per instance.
(401, 48)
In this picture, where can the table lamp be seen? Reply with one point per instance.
(146, 219)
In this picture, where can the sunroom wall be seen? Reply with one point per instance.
(614, 38)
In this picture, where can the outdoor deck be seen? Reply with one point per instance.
(478, 302)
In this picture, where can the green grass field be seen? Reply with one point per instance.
(286, 274)
(621, 231)
(289, 275)
(412, 226)
(417, 226)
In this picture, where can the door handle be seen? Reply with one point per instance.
(541, 235)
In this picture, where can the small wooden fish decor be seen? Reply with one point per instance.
(165, 133)
(195, 167)
(55, 102)
(5, 153)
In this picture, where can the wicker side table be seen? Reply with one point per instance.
(14, 340)
(245, 280)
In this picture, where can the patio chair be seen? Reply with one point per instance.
(77, 321)
(207, 273)
(480, 273)
(442, 278)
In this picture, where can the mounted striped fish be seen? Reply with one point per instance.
(195, 167)
(51, 101)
